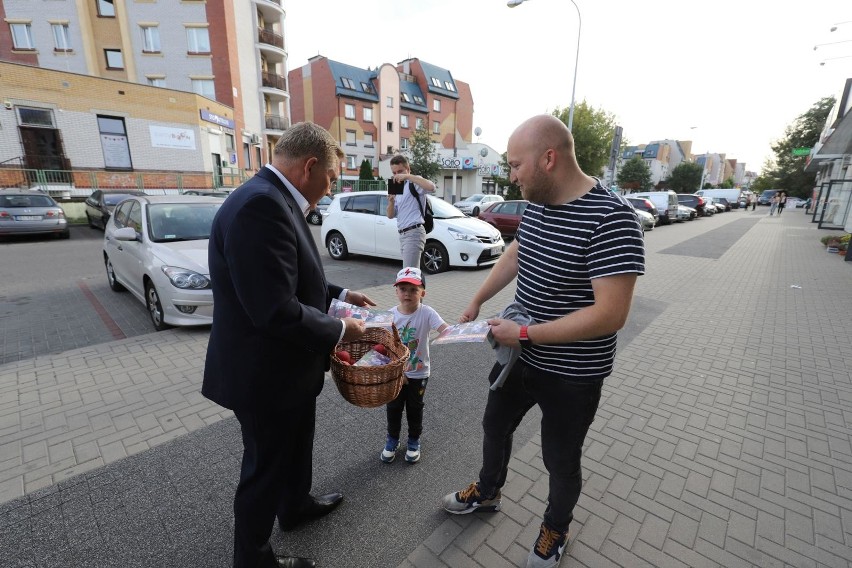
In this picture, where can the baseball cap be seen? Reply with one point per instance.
(410, 275)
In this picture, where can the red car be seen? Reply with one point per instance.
(505, 216)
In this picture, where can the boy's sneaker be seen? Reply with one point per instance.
(548, 547)
(469, 500)
(412, 454)
(389, 453)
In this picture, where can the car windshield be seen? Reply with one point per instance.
(26, 201)
(170, 222)
(114, 198)
(475, 198)
(443, 210)
(326, 200)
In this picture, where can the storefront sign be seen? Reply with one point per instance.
(216, 119)
(166, 137)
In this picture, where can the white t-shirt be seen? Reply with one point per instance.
(408, 210)
(414, 332)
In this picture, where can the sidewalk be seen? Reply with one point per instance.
(723, 438)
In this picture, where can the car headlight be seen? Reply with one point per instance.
(462, 236)
(186, 279)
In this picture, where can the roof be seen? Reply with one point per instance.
(415, 94)
(439, 80)
(353, 81)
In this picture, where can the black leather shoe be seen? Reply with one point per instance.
(294, 562)
(317, 507)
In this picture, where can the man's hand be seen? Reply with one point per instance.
(355, 329)
(391, 198)
(505, 332)
(399, 178)
(359, 299)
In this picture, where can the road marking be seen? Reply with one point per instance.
(101, 311)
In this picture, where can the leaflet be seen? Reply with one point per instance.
(372, 318)
(469, 332)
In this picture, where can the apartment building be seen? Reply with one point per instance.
(374, 112)
(164, 43)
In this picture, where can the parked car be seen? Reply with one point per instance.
(766, 196)
(315, 216)
(475, 203)
(648, 221)
(665, 202)
(100, 205)
(155, 246)
(28, 212)
(694, 201)
(685, 213)
(712, 204)
(645, 205)
(731, 195)
(209, 193)
(794, 202)
(505, 216)
(723, 202)
(357, 223)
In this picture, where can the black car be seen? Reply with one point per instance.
(694, 201)
(724, 202)
(645, 205)
(100, 204)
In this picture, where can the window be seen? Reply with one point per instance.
(403, 121)
(28, 116)
(404, 143)
(114, 59)
(350, 111)
(258, 156)
(246, 156)
(449, 86)
(150, 39)
(229, 142)
(368, 114)
(61, 38)
(350, 137)
(348, 83)
(204, 87)
(436, 82)
(390, 150)
(368, 88)
(22, 36)
(405, 97)
(106, 8)
(436, 127)
(436, 105)
(419, 123)
(418, 100)
(197, 40)
(368, 139)
(390, 102)
(390, 126)
(156, 81)
(350, 161)
(114, 142)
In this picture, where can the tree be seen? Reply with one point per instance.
(635, 175)
(685, 177)
(422, 156)
(366, 172)
(593, 131)
(512, 190)
(789, 171)
(727, 184)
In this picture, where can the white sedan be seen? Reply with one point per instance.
(155, 246)
(356, 223)
(475, 203)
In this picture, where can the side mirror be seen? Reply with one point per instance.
(125, 234)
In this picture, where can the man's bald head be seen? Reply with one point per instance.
(543, 132)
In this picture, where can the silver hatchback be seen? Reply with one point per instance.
(28, 212)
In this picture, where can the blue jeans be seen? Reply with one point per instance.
(567, 410)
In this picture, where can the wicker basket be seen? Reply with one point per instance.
(369, 387)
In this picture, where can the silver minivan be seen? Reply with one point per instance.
(665, 201)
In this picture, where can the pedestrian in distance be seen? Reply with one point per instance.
(782, 201)
(271, 338)
(753, 202)
(414, 320)
(576, 257)
(773, 204)
(408, 209)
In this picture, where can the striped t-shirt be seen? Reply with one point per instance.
(561, 249)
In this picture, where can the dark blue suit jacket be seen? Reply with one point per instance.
(271, 337)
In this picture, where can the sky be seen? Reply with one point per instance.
(730, 75)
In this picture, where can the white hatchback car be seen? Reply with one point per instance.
(357, 223)
(475, 203)
(156, 247)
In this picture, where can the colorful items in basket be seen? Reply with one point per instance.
(373, 358)
(372, 318)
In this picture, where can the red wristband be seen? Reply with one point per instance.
(523, 337)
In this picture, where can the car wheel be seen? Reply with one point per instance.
(435, 258)
(314, 218)
(336, 245)
(155, 308)
(475, 212)
(113, 283)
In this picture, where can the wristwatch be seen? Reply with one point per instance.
(523, 337)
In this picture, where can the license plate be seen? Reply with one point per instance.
(28, 217)
(495, 251)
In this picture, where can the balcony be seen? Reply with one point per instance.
(273, 81)
(269, 37)
(277, 122)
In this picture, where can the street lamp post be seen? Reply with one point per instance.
(512, 4)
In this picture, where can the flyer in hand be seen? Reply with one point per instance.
(372, 318)
(470, 332)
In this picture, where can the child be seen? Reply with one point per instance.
(414, 320)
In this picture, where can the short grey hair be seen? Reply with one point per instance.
(307, 140)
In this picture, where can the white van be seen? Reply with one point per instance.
(665, 201)
(732, 195)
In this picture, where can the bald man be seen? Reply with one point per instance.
(577, 254)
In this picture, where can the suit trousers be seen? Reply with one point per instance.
(275, 479)
(568, 408)
(411, 245)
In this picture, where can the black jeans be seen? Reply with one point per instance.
(410, 399)
(567, 410)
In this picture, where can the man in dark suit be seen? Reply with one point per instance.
(271, 337)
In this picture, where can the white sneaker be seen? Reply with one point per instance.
(548, 548)
(389, 453)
